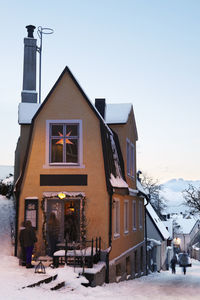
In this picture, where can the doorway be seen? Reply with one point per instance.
(67, 212)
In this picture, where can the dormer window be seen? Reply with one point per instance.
(65, 142)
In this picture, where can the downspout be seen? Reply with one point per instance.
(16, 222)
(109, 236)
(145, 225)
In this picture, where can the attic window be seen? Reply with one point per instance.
(64, 143)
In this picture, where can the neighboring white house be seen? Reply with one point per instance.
(157, 235)
(186, 228)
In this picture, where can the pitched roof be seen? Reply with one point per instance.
(113, 163)
(157, 222)
(186, 225)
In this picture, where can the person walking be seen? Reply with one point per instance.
(173, 264)
(53, 232)
(28, 239)
(184, 261)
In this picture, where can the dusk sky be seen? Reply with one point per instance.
(145, 52)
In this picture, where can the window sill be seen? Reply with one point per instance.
(116, 235)
(63, 166)
(134, 229)
(126, 232)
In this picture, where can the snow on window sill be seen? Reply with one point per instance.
(134, 229)
(116, 235)
(126, 232)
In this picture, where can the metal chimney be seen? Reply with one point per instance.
(29, 94)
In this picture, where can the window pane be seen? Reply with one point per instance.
(57, 130)
(56, 150)
(71, 150)
(72, 130)
(128, 156)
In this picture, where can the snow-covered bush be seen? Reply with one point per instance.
(6, 186)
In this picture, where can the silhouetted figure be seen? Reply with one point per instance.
(28, 239)
(53, 232)
(21, 240)
(173, 264)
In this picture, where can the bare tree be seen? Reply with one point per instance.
(153, 188)
(191, 197)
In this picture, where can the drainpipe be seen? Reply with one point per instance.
(16, 195)
(109, 237)
(145, 223)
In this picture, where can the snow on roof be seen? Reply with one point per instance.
(186, 225)
(26, 112)
(140, 187)
(117, 113)
(157, 221)
(169, 225)
(117, 182)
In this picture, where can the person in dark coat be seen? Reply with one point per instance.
(21, 240)
(27, 240)
(53, 232)
(173, 264)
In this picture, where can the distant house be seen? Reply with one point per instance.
(79, 161)
(187, 230)
(157, 236)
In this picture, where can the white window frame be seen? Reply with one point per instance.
(140, 214)
(116, 218)
(134, 215)
(126, 216)
(130, 157)
(48, 164)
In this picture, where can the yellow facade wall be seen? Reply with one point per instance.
(67, 103)
(127, 240)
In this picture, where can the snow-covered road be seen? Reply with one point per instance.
(156, 286)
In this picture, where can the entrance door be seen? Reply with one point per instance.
(72, 220)
(68, 213)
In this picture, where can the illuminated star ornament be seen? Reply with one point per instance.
(60, 142)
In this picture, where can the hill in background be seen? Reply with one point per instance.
(172, 192)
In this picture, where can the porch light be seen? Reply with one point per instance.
(40, 268)
(61, 195)
(71, 208)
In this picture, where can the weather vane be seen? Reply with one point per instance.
(40, 32)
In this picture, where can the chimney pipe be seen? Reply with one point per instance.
(29, 94)
(30, 30)
(100, 105)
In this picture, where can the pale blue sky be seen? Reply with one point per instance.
(140, 51)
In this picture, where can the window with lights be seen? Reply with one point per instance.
(64, 143)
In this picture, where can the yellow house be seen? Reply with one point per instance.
(77, 159)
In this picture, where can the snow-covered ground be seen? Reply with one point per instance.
(14, 277)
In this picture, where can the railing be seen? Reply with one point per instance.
(82, 254)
